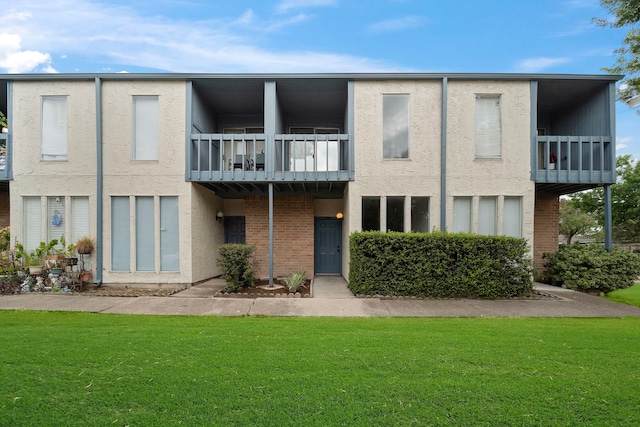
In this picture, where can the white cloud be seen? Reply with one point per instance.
(122, 37)
(536, 65)
(621, 146)
(397, 24)
(286, 5)
(15, 60)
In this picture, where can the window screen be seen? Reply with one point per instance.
(488, 127)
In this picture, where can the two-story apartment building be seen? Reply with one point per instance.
(161, 169)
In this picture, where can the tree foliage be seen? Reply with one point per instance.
(625, 13)
(574, 221)
(625, 201)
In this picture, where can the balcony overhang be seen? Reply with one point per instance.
(239, 190)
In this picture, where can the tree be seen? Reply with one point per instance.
(574, 221)
(625, 201)
(626, 13)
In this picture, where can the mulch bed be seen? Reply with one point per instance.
(304, 291)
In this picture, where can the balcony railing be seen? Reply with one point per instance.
(5, 161)
(255, 157)
(574, 159)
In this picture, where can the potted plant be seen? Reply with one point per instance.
(3, 122)
(52, 253)
(34, 259)
(84, 245)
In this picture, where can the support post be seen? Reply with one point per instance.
(270, 234)
(608, 223)
(99, 184)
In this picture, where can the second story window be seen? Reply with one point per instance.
(488, 127)
(54, 128)
(145, 128)
(395, 126)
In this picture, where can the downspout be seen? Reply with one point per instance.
(443, 158)
(99, 182)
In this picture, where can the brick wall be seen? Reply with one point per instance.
(4, 210)
(293, 224)
(545, 227)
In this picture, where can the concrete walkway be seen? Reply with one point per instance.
(331, 297)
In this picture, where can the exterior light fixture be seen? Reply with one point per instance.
(219, 216)
(339, 215)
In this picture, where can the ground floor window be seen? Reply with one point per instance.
(488, 215)
(397, 209)
(156, 224)
(370, 213)
(462, 214)
(395, 214)
(66, 216)
(420, 214)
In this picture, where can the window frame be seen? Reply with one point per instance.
(388, 143)
(54, 126)
(484, 146)
(145, 128)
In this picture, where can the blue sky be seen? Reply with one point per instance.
(245, 36)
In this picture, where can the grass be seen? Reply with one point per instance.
(94, 370)
(629, 296)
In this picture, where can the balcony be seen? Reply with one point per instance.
(245, 163)
(573, 163)
(5, 160)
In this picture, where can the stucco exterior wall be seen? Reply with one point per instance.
(75, 176)
(163, 177)
(419, 175)
(207, 233)
(508, 176)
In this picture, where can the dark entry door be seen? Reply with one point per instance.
(234, 229)
(328, 246)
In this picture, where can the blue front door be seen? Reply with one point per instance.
(234, 229)
(328, 246)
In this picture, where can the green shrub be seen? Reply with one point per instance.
(295, 280)
(236, 263)
(439, 265)
(591, 268)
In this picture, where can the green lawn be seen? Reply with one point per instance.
(97, 370)
(629, 296)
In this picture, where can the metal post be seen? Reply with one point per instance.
(270, 234)
(443, 159)
(608, 223)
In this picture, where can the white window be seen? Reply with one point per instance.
(512, 216)
(54, 128)
(145, 239)
(462, 214)
(56, 218)
(420, 214)
(145, 128)
(79, 218)
(169, 235)
(32, 222)
(487, 215)
(488, 127)
(146, 233)
(120, 234)
(395, 126)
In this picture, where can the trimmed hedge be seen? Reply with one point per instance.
(439, 265)
(590, 268)
(236, 263)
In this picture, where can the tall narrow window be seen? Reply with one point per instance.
(145, 128)
(462, 214)
(395, 214)
(512, 225)
(395, 126)
(54, 128)
(487, 215)
(56, 218)
(488, 127)
(145, 234)
(420, 214)
(79, 218)
(169, 243)
(32, 223)
(120, 234)
(370, 213)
